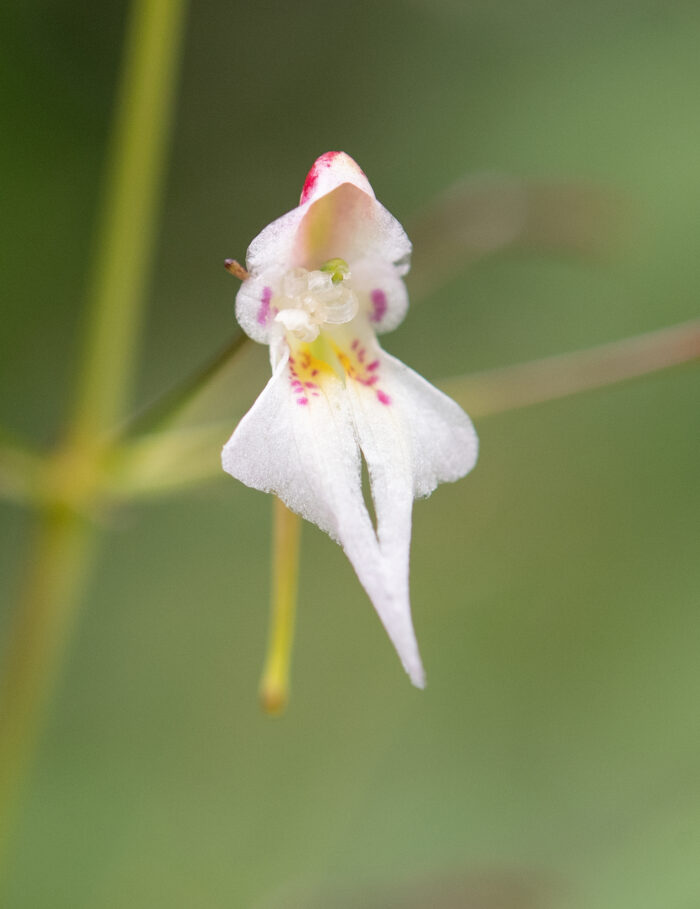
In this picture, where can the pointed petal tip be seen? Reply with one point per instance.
(417, 678)
(330, 170)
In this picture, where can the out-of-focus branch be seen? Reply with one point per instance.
(59, 560)
(512, 387)
(165, 462)
(492, 214)
(20, 470)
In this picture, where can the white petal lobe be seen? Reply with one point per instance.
(307, 454)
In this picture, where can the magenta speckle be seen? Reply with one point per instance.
(383, 397)
(302, 400)
(361, 354)
(319, 164)
(373, 365)
(264, 311)
(379, 305)
(314, 372)
(310, 385)
(354, 344)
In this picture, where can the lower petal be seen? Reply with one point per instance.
(412, 437)
(299, 441)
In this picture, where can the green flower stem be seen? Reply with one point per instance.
(72, 478)
(274, 687)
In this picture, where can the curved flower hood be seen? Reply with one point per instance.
(325, 279)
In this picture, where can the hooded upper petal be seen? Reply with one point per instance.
(339, 210)
(330, 170)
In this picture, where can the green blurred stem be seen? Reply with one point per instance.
(173, 402)
(274, 687)
(513, 387)
(126, 230)
(72, 479)
(42, 628)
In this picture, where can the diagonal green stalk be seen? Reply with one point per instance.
(166, 461)
(127, 229)
(274, 686)
(525, 384)
(72, 479)
(167, 408)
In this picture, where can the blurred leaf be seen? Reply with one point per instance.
(484, 215)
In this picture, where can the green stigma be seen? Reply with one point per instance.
(338, 268)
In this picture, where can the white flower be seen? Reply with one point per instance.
(324, 279)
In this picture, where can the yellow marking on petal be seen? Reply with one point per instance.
(322, 357)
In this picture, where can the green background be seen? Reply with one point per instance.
(554, 759)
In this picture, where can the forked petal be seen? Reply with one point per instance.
(298, 441)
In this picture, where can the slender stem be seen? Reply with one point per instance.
(274, 687)
(166, 408)
(58, 564)
(42, 626)
(127, 228)
(512, 387)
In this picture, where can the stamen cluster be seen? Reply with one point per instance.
(308, 299)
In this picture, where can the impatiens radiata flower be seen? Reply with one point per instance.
(324, 280)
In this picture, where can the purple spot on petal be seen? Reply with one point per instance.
(373, 365)
(302, 400)
(383, 397)
(379, 305)
(354, 344)
(264, 311)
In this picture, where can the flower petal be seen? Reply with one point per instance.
(255, 307)
(298, 441)
(330, 170)
(349, 223)
(382, 292)
(412, 437)
(338, 216)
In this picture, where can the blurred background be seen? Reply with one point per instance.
(554, 759)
